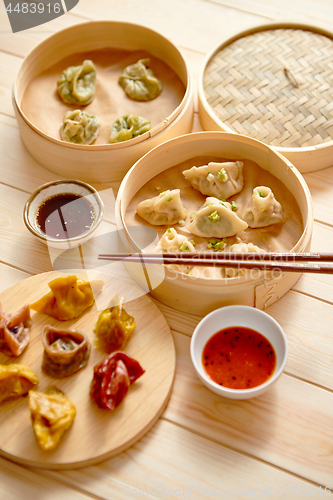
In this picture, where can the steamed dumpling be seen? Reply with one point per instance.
(171, 242)
(221, 180)
(139, 82)
(232, 272)
(77, 84)
(79, 127)
(216, 219)
(263, 209)
(164, 209)
(127, 127)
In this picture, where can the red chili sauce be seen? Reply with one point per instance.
(239, 358)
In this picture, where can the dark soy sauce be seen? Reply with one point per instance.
(65, 216)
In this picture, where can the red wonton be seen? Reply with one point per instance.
(15, 330)
(112, 378)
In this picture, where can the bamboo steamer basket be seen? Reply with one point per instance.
(200, 295)
(100, 162)
(273, 83)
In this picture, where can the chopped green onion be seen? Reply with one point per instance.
(192, 242)
(169, 230)
(210, 177)
(234, 206)
(211, 204)
(209, 245)
(214, 216)
(158, 188)
(212, 241)
(184, 248)
(261, 194)
(170, 198)
(192, 216)
(221, 203)
(162, 194)
(222, 175)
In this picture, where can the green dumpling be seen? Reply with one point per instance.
(127, 127)
(79, 127)
(77, 84)
(139, 82)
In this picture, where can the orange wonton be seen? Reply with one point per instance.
(15, 331)
(68, 298)
(51, 415)
(15, 381)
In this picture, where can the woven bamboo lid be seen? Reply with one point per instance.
(274, 84)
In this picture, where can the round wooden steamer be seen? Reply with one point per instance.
(273, 83)
(102, 162)
(199, 295)
(96, 434)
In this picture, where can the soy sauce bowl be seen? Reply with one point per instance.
(238, 316)
(62, 188)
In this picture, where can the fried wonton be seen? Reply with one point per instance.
(51, 414)
(15, 331)
(68, 297)
(16, 380)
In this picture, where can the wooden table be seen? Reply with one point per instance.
(279, 445)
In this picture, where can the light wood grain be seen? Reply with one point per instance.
(96, 434)
(151, 466)
(17, 481)
(277, 427)
(283, 439)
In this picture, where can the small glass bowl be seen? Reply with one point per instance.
(62, 187)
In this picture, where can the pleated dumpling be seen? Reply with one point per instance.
(221, 180)
(79, 127)
(263, 209)
(171, 241)
(77, 84)
(216, 219)
(164, 209)
(139, 81)
(128, 127)
(232, 272)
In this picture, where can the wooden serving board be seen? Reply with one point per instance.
(96, 434)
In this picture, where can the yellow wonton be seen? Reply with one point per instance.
(16, 380)
(68, 298)
(51, 415)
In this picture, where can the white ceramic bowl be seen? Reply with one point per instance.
(50, 189)
(241, 316)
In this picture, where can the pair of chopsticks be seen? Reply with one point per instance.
(291, 262)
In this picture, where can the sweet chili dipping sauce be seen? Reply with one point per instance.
(65, 216)
(238, 358)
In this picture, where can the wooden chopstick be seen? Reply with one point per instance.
(291, 262)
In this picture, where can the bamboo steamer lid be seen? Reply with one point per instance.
(274, 83)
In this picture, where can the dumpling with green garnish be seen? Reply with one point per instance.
(77, 84)
(221, 180)
(79, 127)
(164, 209)
(216, 219)
(139, 81)
(263, 209)
(128, 127)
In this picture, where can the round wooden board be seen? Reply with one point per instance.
(96, 434)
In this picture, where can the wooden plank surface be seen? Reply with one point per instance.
(275, 445)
